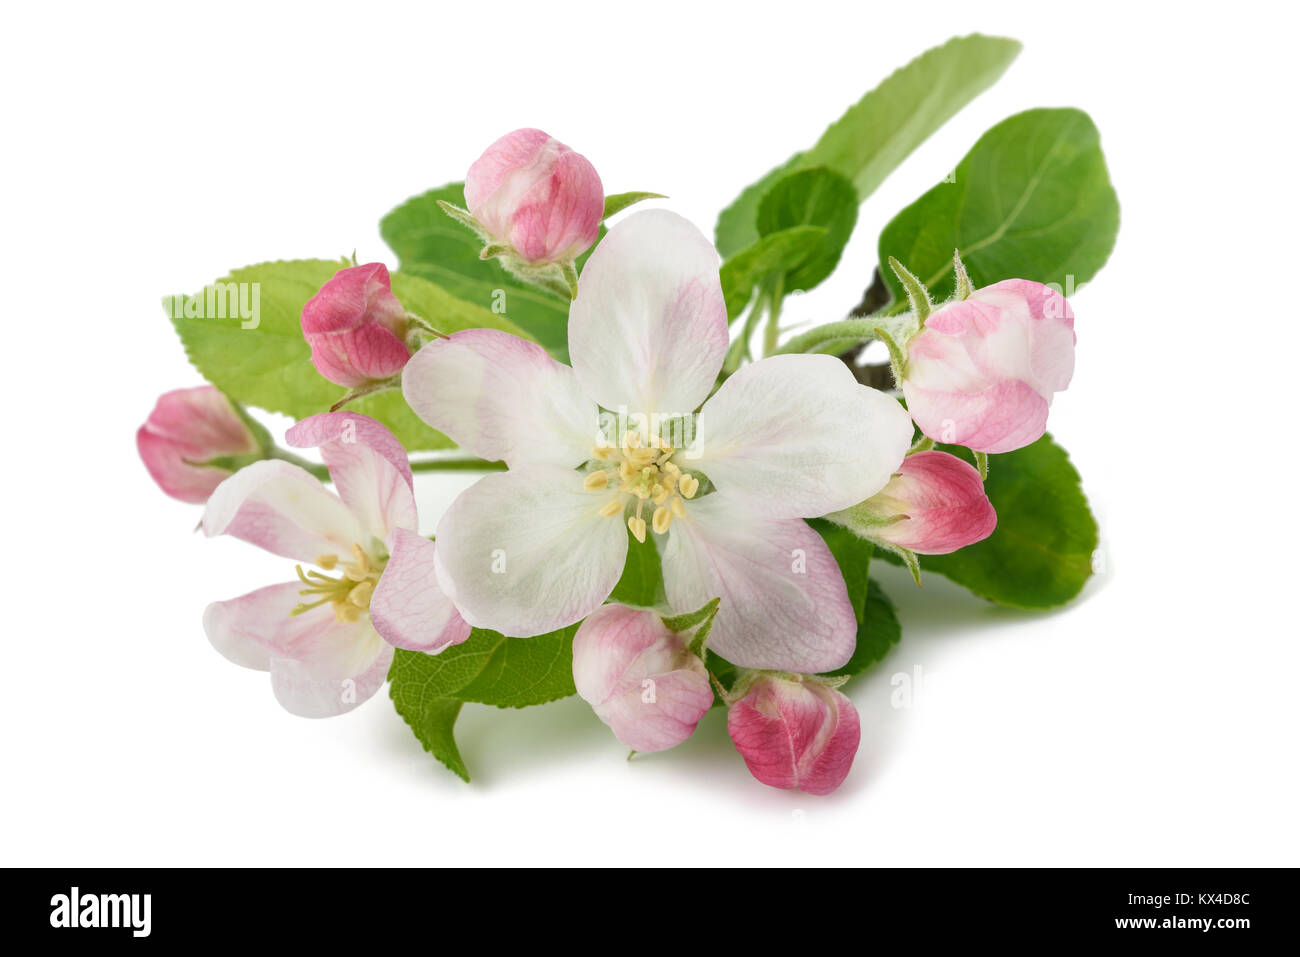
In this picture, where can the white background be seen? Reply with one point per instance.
(149, 149)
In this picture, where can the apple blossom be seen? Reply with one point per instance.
(934, 504)
(982, 370)
(193, 440)
(794, 731)
(356, 327)
(724, 492)
(639, 677)
(320, 636)
(533, 194)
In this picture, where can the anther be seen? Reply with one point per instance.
(611, 508)
(595, 481)
(678, 507)
(327, 562)
(661, 520)
(637, 527)
(360, 595)
(688, 485)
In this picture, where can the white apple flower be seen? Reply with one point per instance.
(724, 492)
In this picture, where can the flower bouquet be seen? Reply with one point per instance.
(679, 500)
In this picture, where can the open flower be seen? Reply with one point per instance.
(983, 370)
(356, 327)
(934, 504)
(639, 677)
(319, 636)
(795, 732)
(724, 492)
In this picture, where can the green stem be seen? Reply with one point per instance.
(773, 329)
(457, 465)
(738, 351)
(275, 452)
(848, 330)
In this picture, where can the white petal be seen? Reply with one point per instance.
(648, 330)
(408, 608)
(319, 666)
(502, 398)
(284, 509)
(526, 552)
(302, 693)
(797, 437)
(784, 603)
(368, 465)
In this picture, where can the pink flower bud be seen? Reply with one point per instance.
(356, 327)
(536, 195)
(942, 501)
(639, 677)
(188, 428)
(983, 370)
(795, 733)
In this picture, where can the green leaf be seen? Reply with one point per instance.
(1031, 200)
(885, 126)
(433, 721)
(432, 245)
(811, 197)
(878, 631)
(776, 253)
(488, 668)
(620, 201)
(878, 627)
(269, 366)
(642, 582)
(1040, 554)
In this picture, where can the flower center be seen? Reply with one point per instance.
(639, 473)
(349, 591)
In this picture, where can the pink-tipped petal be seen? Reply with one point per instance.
(795, 734)
(408, 608)
(186, 428)
(943, 501)
(983, 371)
(301, 692)
(648, 330)
(639, 677)
(356, 327)
(502, 398)
(283, 509)
(756, 445)
(319, 666)
(534, 193)
(368, 465)
(784, 603)
(527, 551)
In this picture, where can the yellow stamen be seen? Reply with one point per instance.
(595, 481)
(612, 508)
(688, 485)
(360, 595)
(678, 507)
(637, 525)
(327, 561)
(661, 520)
(347, 614)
